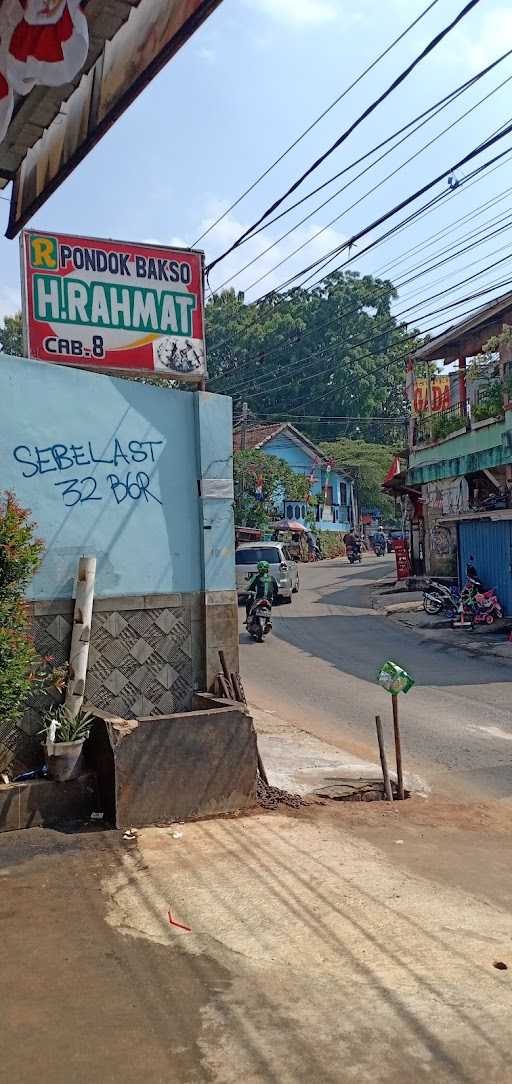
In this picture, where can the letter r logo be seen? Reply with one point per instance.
(44, 252)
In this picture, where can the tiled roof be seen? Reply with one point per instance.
(257, 435)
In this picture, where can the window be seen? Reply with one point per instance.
(289, 511)
(343, 492)
(297, 511)
(258, 553)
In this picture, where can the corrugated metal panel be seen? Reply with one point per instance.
(488, 546)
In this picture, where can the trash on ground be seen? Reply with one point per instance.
(130, 834)
(180, 925)
(500, 966)
(398, 840)
(177, 835)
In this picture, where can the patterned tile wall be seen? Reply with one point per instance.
(140, 663)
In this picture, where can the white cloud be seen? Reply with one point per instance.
(230, 269)
(298, 12)
(485, 42)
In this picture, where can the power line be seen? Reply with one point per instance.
(370, 191)
(316, 121)
(323, 261)
(446, 230)
(347, 312)
(276, 379)
(468, 183)
(348, 131)
(429, 115)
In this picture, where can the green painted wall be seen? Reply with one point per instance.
(485, 448)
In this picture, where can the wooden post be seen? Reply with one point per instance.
(81, 634)
(385, 774)
(398, 747)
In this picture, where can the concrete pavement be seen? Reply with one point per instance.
(318, 670)
(332, 943)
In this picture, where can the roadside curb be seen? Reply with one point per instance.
(455, 641)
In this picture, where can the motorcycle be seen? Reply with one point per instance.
(354, 554)
(379, 549)
(438, 599)
(470, 606)
(259, 620)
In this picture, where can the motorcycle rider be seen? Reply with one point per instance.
(352, 542)
(262, 585)
(379, 540)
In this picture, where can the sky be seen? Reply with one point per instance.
(245, 86)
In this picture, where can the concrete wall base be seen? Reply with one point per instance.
(42, 803)
(186, 766)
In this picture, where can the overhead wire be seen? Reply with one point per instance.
(357, 177)
(317, 120)
(420, 272)
(400, 78)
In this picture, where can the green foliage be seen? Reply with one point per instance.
(331, 543)
(368, 464)
(444, 424)
(490, 401)
(338, 344)
(70, 726)
(22, 673)
(11, 338)
(278, 480)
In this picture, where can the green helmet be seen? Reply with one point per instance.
(263, 566)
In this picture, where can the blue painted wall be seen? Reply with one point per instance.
(110, 467)
(302, 461)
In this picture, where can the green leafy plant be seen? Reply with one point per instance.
(442, 426)
(23, 673)
(60, 724)
(253, 468)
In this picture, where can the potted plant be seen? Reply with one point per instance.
(65, 733)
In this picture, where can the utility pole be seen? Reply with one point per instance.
(243, 427)
(243, 442)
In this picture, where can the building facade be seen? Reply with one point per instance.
(333, 489)
(458, 485)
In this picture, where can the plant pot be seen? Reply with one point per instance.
(64, 759)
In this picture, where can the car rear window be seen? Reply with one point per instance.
(258, 553)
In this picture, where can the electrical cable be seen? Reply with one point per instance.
(365, 195)
(317, 120)
(348, 131)
(418, 267)
(468, 183)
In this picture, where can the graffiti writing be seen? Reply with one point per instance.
(120, 486)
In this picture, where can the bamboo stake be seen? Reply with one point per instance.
(385, 773)
(81, 634)
(226, 673)
(398, 748)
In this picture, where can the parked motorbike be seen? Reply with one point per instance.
(438, 599)
(470, 606)
(354, 554)
(379, 549)
(259, 621)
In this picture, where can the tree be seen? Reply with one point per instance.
(337, 345)
(11, 337)
(368, 464)
(255, 470)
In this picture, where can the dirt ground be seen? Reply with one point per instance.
(338, 942)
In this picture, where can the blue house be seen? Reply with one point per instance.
(336, 510)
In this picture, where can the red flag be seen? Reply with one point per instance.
(393, 470)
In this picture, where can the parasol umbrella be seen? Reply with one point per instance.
(290, 525)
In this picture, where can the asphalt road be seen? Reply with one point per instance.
(318, 669)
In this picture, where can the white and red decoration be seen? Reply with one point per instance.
(42, 42)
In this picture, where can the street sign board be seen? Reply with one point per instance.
(113, 305)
